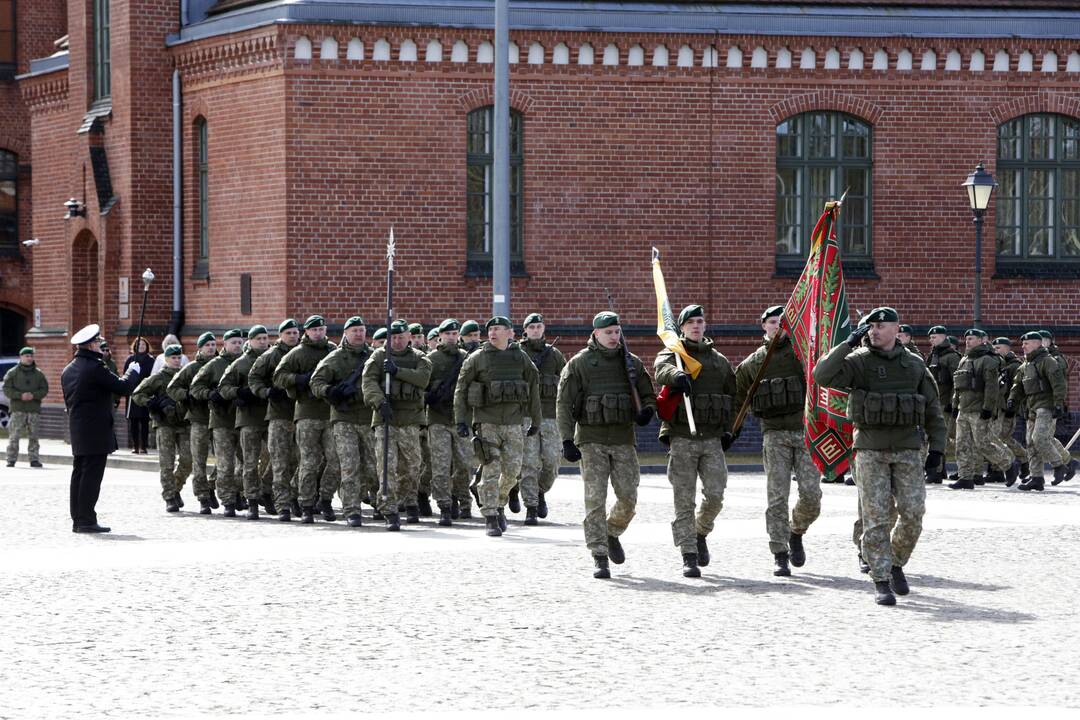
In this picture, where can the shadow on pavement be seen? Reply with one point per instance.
(706, 585)
(118, 536)
(932, 581)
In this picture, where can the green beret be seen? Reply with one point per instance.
(380, 334)
(1002, 341)
(288, 325)
(470, 326)
(953, 340)
(314, 321)
(433, 333)
(883, 314)
(774, 311)
(604, 319)
(1046, 335)
(398, 327)
(30, 351)
(1033, 335)
(907, 329)
(691, 311)
(173, 351)
(975, 332)
(532, 318)
(416, 329)
(257, 330)
(204, 338)
(230, 334)
(937, 330)
(449, 325)
(499, 320)
(354, 320)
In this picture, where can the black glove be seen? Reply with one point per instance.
(855, 339)
(986, 414)
(246, 394)
(154, 404)
(532, 431)
(431, 398)
(302, 382)
(644, 416)
(570, 451)
(683, 384)
(933, 460)
(389, 366)
(1010, 409)
(1059, 412)
(462, 430)
(276, 393)
(218, 399)
(240, 401)
(166, 403)
(727, 440)
(386, 412)
(335, 395)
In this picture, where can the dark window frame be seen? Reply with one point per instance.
(479, 138)
(8, 65)
(102, 52)
(9, 172)
(202, 199)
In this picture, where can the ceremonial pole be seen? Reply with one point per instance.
(147, 278)
(390, 250)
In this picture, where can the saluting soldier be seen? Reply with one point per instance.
(1040, 386)
(171, 430)
(198, 417)
(451, 456)
(250, 419)
(204, 387)
(1007, 418)
(541, 462)
(942, 363)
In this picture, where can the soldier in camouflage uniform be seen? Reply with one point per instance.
(594, 410)
(1007, 418)
(892, 397)
(497, 389)
(432, 339)
(25, 385)
(204, 387)
(198, 416)
(1040, 385)
(171, 430)
(541, 462)
(397, 419)
(378, 339)
(1055, 352)
(469, 341)
(337, 381)
(907, 339)
(314, 437)
(711, 394)
(450, 454)
(250, 419)
(976, 402)
(280, 430)
(779, 402)
(943, 362)
(420, 485)
(470, 336)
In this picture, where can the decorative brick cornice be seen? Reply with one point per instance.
(826, 100)
(1043, 102)
(48, 93)
(238, 56)
(520, 101)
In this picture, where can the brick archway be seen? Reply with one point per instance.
(483, 97)
(826, 100)
(85, 308)
(1041, 103)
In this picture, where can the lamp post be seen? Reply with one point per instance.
(980, 185)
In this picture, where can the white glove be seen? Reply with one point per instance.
(135, 368)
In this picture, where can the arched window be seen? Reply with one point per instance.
(1038, 194)
(202, 174)
(9, 203)
(480, 145)
(101, 54)
(819, 155)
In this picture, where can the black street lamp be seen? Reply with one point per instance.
(980, 185)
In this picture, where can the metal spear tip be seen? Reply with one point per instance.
(147, 278)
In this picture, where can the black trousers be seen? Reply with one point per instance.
(86, 474)
(138, 433)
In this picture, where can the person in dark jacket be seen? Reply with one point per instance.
(88, 389)
(138, 417)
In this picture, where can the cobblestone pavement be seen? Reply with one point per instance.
(186, 615)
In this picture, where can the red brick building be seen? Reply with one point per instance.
(713, 132)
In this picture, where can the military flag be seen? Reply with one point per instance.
(668, 400)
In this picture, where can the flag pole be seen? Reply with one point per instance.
(741, 417)
(390, 251)
(681, 367)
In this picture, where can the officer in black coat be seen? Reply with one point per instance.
(89, 387)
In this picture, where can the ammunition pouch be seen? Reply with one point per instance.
(496, 392)
(549, 387)
(405, 391)
(883, 410)
(778, 396)
(1033, 383)
(709, 409)
(608, 409)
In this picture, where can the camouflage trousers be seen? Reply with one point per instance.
(370, 469)
(320, 474)
(540, 462)
(1005, 434)
(253, 446)
(227, 465)
(600, 464)
(1043, 447)
(281, 444)
(503, 448)
(450, 458)
(174, 459)
(977, 443)
(402, 460)
(783, 453)
(352, 459)
(200, 450)
(409, 482)
(889, 481)
(425, 462)
(689, 459)
(23, 423)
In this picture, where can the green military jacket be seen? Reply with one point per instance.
(593, 403)
(25, 379)
(1039, 382)
(779, 401)
(914, 349)
(891, 396)
(446, 362)
(261, 379)
(206, 382)
(406, 387)
(712, 395)
(942, 362)
(337, 367)
(249, 413)
(501, 387)
(977, 381)
(1055, 352)
(154, 386)
(302, 360)
(549, 363)
(179, 389)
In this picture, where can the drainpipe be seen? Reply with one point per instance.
(176, 319)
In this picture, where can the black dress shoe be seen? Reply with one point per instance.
(615, 550)
(95, 528)
(703, 556)
(962, 484)
(899, 581)
(849, 481)
(34, 464)
(797, 553)
(515, 500)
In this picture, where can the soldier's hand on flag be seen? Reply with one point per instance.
(683, 384)
(727, 440)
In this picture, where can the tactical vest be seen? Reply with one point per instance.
(711, 405)
(505, 382)
(1033, 381)
(607, 391)
(967, 376)
(549, 382)
(783, 390)
(939, 371)
(405, 394)
(894, 401)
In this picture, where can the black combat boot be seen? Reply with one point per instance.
(899, 581)
(601, 572)
(781, 560)
(241, 502)
(954, 476)
(1070, 471)
(690, 567)
(179, 499)
(393, 522)
(1059, 474)
(253, 510)
(493, 529)
(354, 520)
(962, 484)
(502, 520)
(864, 567)
(530, 516)
(515, 501)
(465, 512)
(979, 480)
(267, 502)
(423, 502)
(377, 515)
(884, 594)
(1035, 482)
(445, 518)
(455, 508)
(214, 501)
(1025, 470)
(285, 515)
(849, 481)
(1012, 473)
(541, 506)
(326, 507)
(294, 506)
(230, 510)
(35, 464)
(935, 477)
(797, 553)
(615, 550)
(412, 514)
(308, 516)
(204, 506)
(996, 476)
(172, 504)
(703, 556)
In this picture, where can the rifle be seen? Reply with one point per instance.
(384, 487)
(631, 371)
